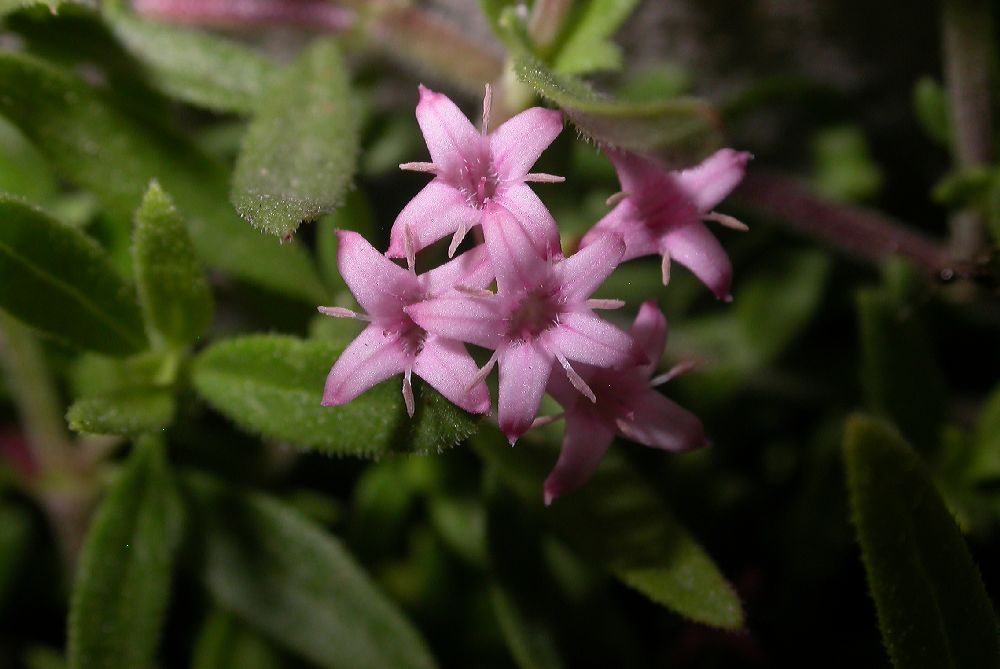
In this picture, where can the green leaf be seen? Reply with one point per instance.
(196, 67)
(586, 46)
(619, 521)
(59, 281)
(930, 104)
(129, 414)
(15, 537)
(844, 167)
(300, 152)
(356, 215)
(932, 607)
(296, 583)
(23, 171)
(985, 465)
(90, 138)
(175, 296)
(272, 385)
(680, 132)
(8, 6)
(225, 643)
(123, 583)
(899, 372)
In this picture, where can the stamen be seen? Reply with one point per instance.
(475, 292)
(542, 421)
(457, 238)
(679, 369)
(487, 105)
(576, 379)
(484, 372)
(727, 221)
(665, 267)
(605, 304)
(408, 392)
(543, 178)
(419, 167)
(616, 198)
(341, 312)
(411, 256)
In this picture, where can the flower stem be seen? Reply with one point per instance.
(967, 37)
(237, 13)
(857, 230)
(546, 22)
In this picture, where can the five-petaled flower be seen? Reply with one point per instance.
(477, 176)
(627, 404)
(661, 212)
(394, 344)
(540, 314)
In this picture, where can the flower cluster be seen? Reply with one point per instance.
(540, 320)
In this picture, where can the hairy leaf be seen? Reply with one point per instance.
(296, 583)
(300, 152)
(272, 385)
(680, 132)
(618, 520)
(123, 583)
(175, 296)
(93, 140)
(932, 608)
(59, 281)
(129, 413)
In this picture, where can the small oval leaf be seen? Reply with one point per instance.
(129, 414)
(272, 385)
(296, 583)
(932, 607)
(60, 282)
(300, 152)
(123, 584)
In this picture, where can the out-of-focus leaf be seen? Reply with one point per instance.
(175, 296)
(296, 583)
(844, 167)
(622, 523)
(123, 583)
(932, 607)
(15, 534)
(130, 413)
(383, 497)
(931, 107)
(680, 132)
(965, 187)
(664, 80)
(391, 143)
(300, 152)
(585, 45)
(530, 645)
(8, 6)
(461, 524)
(59, 281)
(272, 385)
(900, 375)
(23, 171)
(356, 214)
(78, 127)
(92, 374)
(199, 68)
(986, 458)
(225, 643)
(39, 657)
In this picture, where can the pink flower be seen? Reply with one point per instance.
(626, 404)
(393, 343)
(661, 212)
(540, 314)
(476, 175)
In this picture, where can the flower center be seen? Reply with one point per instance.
(537, 312)
(478, 179)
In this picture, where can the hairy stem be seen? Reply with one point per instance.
(968, 57)
(857, 230)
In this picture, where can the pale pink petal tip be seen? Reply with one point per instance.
(711, 181)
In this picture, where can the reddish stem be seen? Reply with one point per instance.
(317, 14)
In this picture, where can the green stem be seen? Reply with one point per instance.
(967, 44)
(546, 22)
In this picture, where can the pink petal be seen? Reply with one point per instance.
(661, 423)
(370, 359)
(588, 437)
(710, 182)
(697, 249)
(435, 212)
(560, 388)
(472, 269)
(522, 203)
(518, 143)
(635, 173)
(650, 333)
(515, 259)
(584, 271)
(448, 367)
(470, 319)
(451, 138)
(583, 337)
(624, 220)
(380, 286)
(524, 371)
